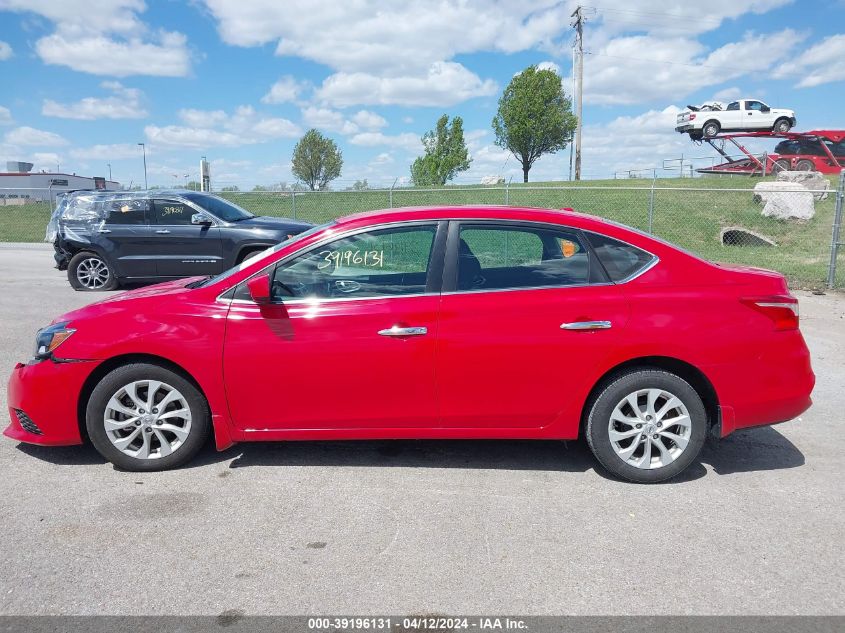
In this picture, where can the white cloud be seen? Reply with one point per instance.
(820, 64)
(287, 89)
(728, 94)
(105, 37)
(5, 51)
(444, 84)
(29, 136)
(46, 161)
(124, 104)
(116, 151)
(407, 141)
(216, 128)
(677, 66)
(328, 120)
(549, 65)
(369, 120)
(5, 116)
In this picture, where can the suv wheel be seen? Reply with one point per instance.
(647, 425)
(89, 271)
(144, 417)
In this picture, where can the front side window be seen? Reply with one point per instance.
(499, 258)
(171, 212)
(754, 105)
(220, 208)
(385, 262)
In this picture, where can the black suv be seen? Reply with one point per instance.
(105, 238)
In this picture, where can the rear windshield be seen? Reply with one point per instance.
(620, 260)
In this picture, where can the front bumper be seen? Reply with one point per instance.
(47, 393)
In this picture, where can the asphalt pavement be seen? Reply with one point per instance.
(457, 527)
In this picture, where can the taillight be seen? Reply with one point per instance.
(692, 117)
(781, 309)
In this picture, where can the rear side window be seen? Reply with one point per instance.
(619, 259)
(172, 212)
(126, 211)
(501, 257)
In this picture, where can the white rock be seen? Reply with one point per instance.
(813, 180)
(785, 200)
(492, 180)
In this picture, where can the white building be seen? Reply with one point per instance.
(19, 185)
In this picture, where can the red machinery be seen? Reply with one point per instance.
(817, 150)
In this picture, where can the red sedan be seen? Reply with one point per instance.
(428, 323)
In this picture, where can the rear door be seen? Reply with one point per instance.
(183, 249)
(528, 316)
(125, 237)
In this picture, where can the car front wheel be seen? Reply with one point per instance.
(89, 271)
(144, 417)
(782, 126)
(647, 425)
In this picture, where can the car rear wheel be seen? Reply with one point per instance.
(782, 126)
(647, 425)
(711, 129)
(805, 165)
(781, 165)
(90, 272)
(144, 417)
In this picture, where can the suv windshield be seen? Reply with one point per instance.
(219, 207)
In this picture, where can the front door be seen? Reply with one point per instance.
(758, 116)
(348, 341)
(183, 249)
(528, 321)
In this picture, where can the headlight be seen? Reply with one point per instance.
(49, 338)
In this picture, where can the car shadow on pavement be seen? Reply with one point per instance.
(747, 450)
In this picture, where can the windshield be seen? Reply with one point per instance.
(261, 256)
(223, 209)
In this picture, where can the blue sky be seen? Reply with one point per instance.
(239, 81)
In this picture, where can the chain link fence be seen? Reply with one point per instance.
(721, 220)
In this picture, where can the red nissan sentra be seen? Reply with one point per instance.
(428, 323)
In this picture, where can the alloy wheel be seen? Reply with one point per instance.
(147, 419)
(649, 428)
(92, 273)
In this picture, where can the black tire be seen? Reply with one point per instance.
(85, 262)
(113, 383)
(805, 165)
(711, 129)
(781, 165)
(612, 394)
(249, 254)
(782, 126)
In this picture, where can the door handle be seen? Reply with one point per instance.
(163, 231)
(103, 230)
(586, 325)
(404, 331)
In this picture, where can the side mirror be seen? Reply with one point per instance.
(259, 288)
(765, 108)
(200, 218)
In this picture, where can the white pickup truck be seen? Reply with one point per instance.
(744, 115)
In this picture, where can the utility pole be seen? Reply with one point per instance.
(578, 23)
(109, 164)
(144, 150)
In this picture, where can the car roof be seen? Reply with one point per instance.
(564, 217)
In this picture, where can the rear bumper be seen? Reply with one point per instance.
(47, 392)
(684, 127)
(772, 387)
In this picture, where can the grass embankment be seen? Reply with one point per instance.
(683, 214)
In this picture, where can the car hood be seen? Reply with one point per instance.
(128, 300)
(268, 222)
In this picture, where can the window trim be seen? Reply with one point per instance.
(434, 274)
(651, 264)
(450, 272)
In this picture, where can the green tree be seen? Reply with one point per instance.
(316, 160)
(230, 188)
(445, 153)
(194, 185)
(534, 117)
(360, 185)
